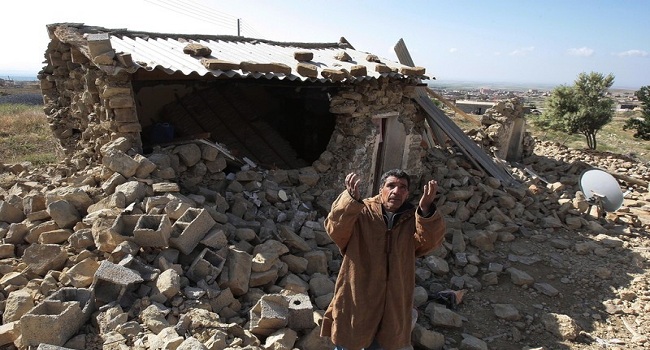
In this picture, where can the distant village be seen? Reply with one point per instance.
(478, 100)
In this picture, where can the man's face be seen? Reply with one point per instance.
(394, 193)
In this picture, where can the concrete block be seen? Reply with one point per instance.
(206, 266)
(51, 322)
(123, 227)
(146, 271)
(152, 231)
(52, 347)
(189, 229)
(85, 298)
(269, 314)
(301, 311)
(112, 280)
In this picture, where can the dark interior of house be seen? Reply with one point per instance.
(285, 125)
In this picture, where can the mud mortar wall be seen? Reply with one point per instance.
(86, 107)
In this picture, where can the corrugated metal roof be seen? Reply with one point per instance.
(151, 51)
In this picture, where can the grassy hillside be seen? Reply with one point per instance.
(611, 138)
(25, 136)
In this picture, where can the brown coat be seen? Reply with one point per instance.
(374, 289)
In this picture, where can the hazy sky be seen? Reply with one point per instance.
(512, 41)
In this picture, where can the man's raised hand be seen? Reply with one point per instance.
(428, 195)
(352, 185)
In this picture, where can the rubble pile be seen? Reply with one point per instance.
(179, 250)
(498, 124)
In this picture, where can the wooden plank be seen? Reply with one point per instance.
(475, 153)
(453, 106)
(437, 119)
(405, 58)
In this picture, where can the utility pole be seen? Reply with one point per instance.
(238, 27)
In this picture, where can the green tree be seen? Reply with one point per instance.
(641, 125)
(581, 108)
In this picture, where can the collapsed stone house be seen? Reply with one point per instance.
(274, 105)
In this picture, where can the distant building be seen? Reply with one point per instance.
(474, 107)
(627, 106)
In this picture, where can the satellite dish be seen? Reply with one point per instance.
(601, 189)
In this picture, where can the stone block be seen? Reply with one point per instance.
(112, 280)
(99, 44)
(334, 74)
(63, 213)
(206, 266)
(33, 203)
(120, 162)
(358, 71)
(128, 127)
(146, 166)
(121, 144)
(412, 70)
(164, 187)
(195, 49)
(259, 279)
(9, 332)
(16, 233)
(152, 231)
(307, 70)
(75, 195)
(7, 251)
(189, 229)
(382, 68)
(303, 56)
(213, 64)
(316, 262)
(41, 258)
(55, 236)
(133, 191)
(10, 214)
(51, 322)
(125, 115)
(112, 182)
(121, 101)
(168, 283)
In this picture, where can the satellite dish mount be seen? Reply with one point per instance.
(601, 190)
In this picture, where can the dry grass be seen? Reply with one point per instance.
(26, 136)
(611, 138)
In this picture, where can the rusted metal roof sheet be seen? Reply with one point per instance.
(152, 51)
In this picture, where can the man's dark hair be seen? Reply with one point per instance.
(398, 173)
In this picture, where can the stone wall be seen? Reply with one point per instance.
(503, 131)
(86, 107)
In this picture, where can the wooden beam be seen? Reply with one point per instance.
(453, 106)
(438, 120)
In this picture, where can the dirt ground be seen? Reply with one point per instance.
(602, 280)
(587, 284)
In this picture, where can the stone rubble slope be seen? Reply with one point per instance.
(177, 251)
